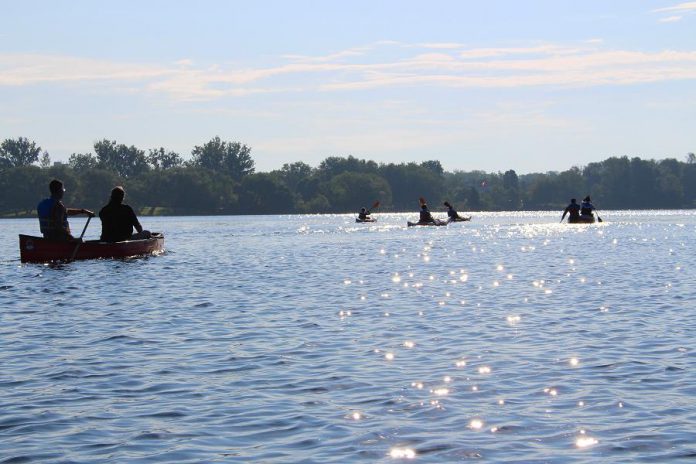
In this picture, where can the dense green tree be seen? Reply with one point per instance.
(335, 165)
(19, 152)
(94, 188)
(410, 181)
(45, 161)
(434, 166)
(294, 173)
(231, 158)
(159, 159)
(125, 161)
(82, 162)
(21, 189)
(264, 193)
(688, 181)
(211, 184)
(349, 191)
(309, 187)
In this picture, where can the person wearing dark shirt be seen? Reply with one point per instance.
(425, 216)
(572, 210)
(587, 207)
(453, 215)
(364, 214)
(118, 220)
(53, 215)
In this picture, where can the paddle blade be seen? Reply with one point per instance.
(375, 205)
(422, 201)
(599, 219)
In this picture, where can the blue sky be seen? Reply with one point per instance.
(494, 85)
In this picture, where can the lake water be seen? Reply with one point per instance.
(276, 339)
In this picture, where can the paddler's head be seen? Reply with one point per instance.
(117, 195)
(57, 189)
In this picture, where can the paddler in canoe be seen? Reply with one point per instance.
(425, 218)
(581, 214)
(118, 220)
(586, 207)
(452, 215)
(572, 210)
(53, 215)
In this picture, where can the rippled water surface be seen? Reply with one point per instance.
(511, 338)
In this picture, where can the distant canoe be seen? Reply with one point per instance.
(41, 250)
(584, 219)
(365, 220)
(437, 222)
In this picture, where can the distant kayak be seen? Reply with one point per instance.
(365, 220)
(585, 219)
(437, 222)
(460, 219)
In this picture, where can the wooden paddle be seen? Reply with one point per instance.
(77, 247)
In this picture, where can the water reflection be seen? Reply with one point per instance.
(204, 356)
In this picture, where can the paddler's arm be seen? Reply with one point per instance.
(76, 211)
(565, 211)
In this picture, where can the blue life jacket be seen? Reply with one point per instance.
(586, 208)
(47, 223)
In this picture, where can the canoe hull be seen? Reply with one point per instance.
(40, 250)
(582, 220)
(436, 223)
(365, 220)
(460, 219)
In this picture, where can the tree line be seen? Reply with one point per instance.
(219, 177)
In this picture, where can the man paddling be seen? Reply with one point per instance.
(587, 207)
(53, 215)
(118, 220)
(425, 216)
(452, 214)
(573, 211)
(364, 214)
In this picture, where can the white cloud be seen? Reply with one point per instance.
(688, 6)
(670, 19)
(385, 64)
(34, 69)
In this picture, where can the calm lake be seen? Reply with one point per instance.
(275, 339)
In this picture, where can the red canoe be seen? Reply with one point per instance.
(41, 250)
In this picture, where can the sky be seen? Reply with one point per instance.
(491, 85)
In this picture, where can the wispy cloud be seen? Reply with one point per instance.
(670, 19)
(687, 6)
(680, 9)
(380, 65)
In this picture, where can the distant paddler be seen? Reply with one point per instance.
(572, 210)
(425, 218)
(364, 214)
(452, 215)
(586, 207)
